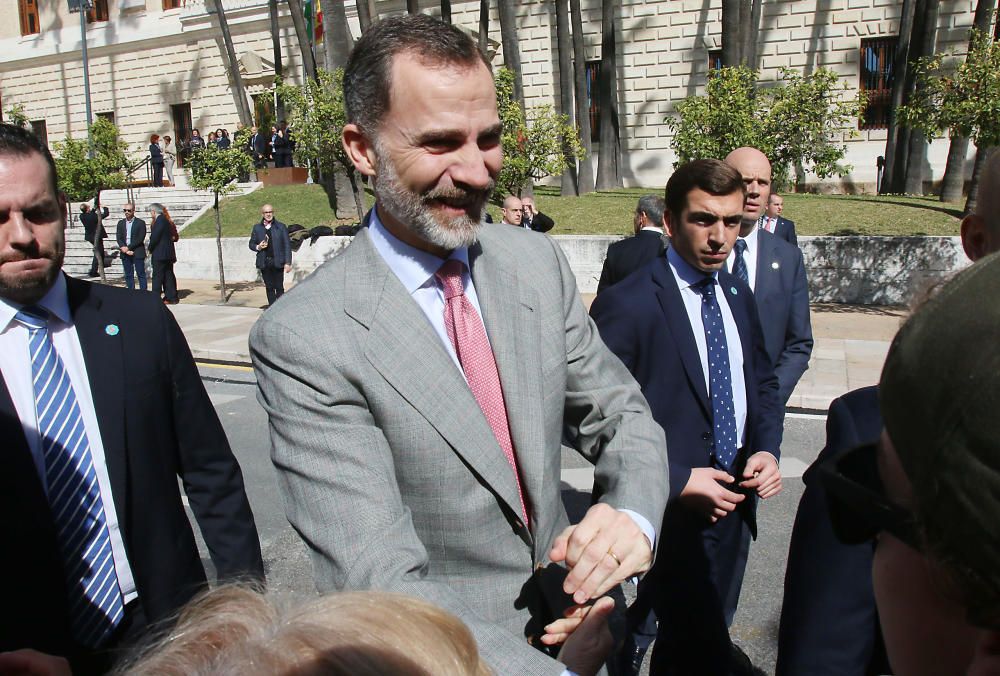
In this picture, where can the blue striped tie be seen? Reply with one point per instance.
(720, 378)
(95, 599)
(740, 268)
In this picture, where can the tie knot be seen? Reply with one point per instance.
(706, 287)
(741, 246)
(33, 317)
(450, 276)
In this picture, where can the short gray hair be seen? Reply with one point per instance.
(653, 206)
(157, 208)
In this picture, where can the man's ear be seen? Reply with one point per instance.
(975, 237)
(359, 149)
(666, 223)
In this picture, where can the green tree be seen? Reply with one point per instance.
(535, 144)
(799, 122)
(217, 169)
(316, 112)
(84, 174)
(15, 115)
(962, 99)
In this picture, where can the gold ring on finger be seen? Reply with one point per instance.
(612, 555)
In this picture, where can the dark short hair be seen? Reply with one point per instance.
(653, 206)
(713, 176)
(20, 142)
(367, 78)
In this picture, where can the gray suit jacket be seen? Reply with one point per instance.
(389, 469)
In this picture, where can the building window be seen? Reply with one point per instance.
(877, 55)
(109, 116)
(593, 70)
(28, 11)
(172, 4)
(39, 129)
(715, 59)
(99, 12)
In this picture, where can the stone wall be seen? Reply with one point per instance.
(856, 270)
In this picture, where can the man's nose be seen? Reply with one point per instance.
(472, 168)
(18, 230)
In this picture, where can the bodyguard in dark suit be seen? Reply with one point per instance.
(628, 255)
(257, 145)
(269, 238)
(777, 224)
(104, 464)
(775, 271)
(163, 254)
(533, 218)
(131, 236)
(689, 333)
(829, 624)
(90, 222)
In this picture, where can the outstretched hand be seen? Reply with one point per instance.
(587, 648)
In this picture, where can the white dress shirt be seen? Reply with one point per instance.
(128, 232)
(15, 364)
(415, 269)
(687, 277)
(749, 256)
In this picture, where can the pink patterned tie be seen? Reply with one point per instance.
(468, 337)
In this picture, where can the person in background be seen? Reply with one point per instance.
(196, 142)
(131, 236)
(512, 210)
(628, 255)
(777, 224)
(156, 160)
(92, 234)
(533, 218)
(222, 139)
(169, 158)
(213, 140)
(269, 238)
(162, 236)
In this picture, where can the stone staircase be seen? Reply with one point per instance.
(183, 203)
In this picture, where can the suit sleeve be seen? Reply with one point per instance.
(792, 237)
(606, 275)
(542, 223)
(155, 235)
(338, 475)
(120, 234)
(286, 244)
(209, 471)
(255, 239)
(770, 415)
(607, 418)
(794, 358)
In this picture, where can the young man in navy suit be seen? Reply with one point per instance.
(777, 224)
(775, 271)
(689, 333)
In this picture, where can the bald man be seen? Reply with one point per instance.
(776, 273)
(513, 210)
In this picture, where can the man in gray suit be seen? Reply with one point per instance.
(419, 385)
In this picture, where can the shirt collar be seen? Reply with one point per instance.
(413, 267)
(751, 240)
(652, 228)
(684, 271)
(56, 301)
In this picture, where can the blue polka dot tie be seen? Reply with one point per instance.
(739, 263)
(95, 600)
(720, 388)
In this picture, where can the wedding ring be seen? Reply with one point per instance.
(612, 555)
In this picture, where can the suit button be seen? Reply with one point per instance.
(706, 436)
(539, 566)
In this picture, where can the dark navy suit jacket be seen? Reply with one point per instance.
(785, 229)
(782, 295)
(628, 255)
(138, 242)
(279, 250)
(829, 624)
(161, 240)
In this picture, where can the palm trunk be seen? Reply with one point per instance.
(364, 15)
(927, 33)
(302, 37)
(895, 143)
(564, 46)
(272, 13)
(753, 35)
(359, 194)
(982, 154)
(412, 7)
(446, 11)
(511, 46)
(218, 246)
(730, 32)
(484, 25)
(233, 67)
(585, 177)
(608, 170)
(339, 40)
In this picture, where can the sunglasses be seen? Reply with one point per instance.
(857, 502)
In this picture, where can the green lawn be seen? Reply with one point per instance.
(611, 212)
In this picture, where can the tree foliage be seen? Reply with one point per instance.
(218, 169)
(801, 121)
(16, 116)
(82, 176)
(963, 99)
(535, 143)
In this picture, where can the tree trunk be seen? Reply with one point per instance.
(982, 154)
(953, 183)
(484, 25)
(233, 67)
(753, 32)
(338, 38)
(894, 157)
(511, 46)
(359, 194)
(364, 15)
(564, 47)
(585, 177)
(446, 11)
(608, 170)
(302, 37)
(730, 32)
(926, 31)
(412, 7)
(99, 238)
(218, 246)
(272, 13)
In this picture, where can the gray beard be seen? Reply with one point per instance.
(414, 212)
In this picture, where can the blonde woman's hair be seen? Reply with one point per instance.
(236, 631)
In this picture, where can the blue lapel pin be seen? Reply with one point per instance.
(111, 329)
(732, 290)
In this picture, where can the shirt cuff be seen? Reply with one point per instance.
(644, 525)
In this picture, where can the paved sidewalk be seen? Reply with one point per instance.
(851, 341)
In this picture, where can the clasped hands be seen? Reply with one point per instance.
(706, 493)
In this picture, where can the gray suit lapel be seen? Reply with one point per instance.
(404, 348)
(514, 331)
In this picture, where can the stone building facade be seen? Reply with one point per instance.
(151, 61)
